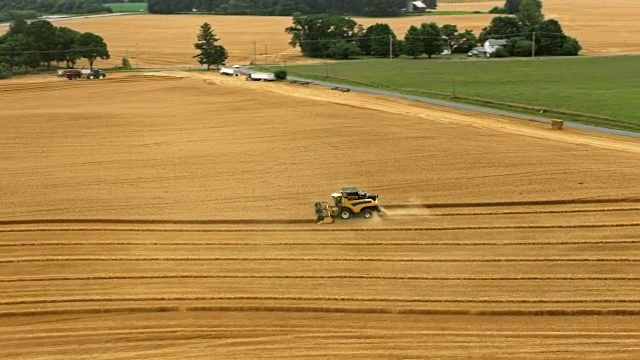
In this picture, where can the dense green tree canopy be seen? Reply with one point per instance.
(282, 7)
(379, 40)
(29, 45)
(317, 34)
(54, 6)
(91, 47)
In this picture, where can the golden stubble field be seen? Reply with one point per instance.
(170, 215)
(167, 41)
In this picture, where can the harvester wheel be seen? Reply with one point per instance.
(367, 214)
(345, 214)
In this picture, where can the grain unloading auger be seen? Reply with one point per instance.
(348, 203)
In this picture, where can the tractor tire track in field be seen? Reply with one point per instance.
(323, 243)
(324, 228)
(158, 221)
(390, 206)
(531, 212)
(513, 203)
(321, 309)
(324, 276)
(314, 259)
(90, 299)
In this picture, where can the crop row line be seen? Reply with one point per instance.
(316, 298)
(324, 276)
(326, 309)
(326, 228)
(321, 259)
(322, 243)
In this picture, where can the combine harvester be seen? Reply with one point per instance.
(348, 203)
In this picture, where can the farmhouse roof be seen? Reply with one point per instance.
(419, 4)
(496, 42)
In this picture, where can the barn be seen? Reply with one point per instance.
(416, 6)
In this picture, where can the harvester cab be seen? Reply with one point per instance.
(348, 203)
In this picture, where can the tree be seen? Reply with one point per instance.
(66, 41)
(285, 7)
(511, 6)
(571, 47)
(500, 53)
(317, 34)
(344, 50)
(19, 50)
(550, 38)
(450, 34)
(431, 4)
(465, 42)
(238, 7)
(18, 26)
(501, 27)
(382, 8)
(519, 47)
(5, 72)
(413, 45)
(91, 47)
(43, 34)
(376, 41)
(210, 53)
(432, 41)
(530, 14)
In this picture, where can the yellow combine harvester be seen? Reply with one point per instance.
(347, 203)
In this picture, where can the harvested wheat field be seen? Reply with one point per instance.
(602, 28)
(173, 218)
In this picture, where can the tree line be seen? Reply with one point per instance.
(284, 7)
(53, 6)
(32, 45)
(335, 36)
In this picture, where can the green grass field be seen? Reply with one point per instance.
(601, 86)
(127, 7)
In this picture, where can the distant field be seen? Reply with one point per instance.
(128, 7)
(448, 12)
(598, 86)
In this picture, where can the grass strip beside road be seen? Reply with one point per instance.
(597, 91)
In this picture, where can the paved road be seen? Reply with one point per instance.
(479, 109)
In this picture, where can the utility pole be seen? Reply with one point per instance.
(453, 86)
(533, 45)
(390, 47)
(326, 67)
(254, 53)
